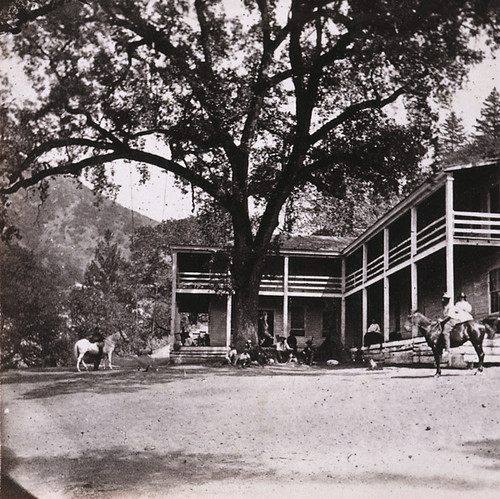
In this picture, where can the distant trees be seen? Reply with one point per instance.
(487, 137)
(454, 146)
(105, 301)
(34, 329)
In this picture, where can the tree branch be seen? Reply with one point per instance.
(72, 168)
(351, 111)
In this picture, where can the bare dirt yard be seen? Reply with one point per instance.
(273, 432)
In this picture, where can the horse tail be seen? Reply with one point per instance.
(75, 350)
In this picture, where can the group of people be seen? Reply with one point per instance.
(285, 350)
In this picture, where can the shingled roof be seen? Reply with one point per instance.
(326, 244)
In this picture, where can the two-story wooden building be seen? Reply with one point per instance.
(445, 236)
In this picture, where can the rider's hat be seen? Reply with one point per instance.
(462, 295)
(446, 296)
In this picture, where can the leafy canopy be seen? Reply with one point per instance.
(246, 101)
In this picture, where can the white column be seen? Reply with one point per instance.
(229, 304)
(342, 306)
(173, 310)
(285, 295)
(450, 277)
(413, 266)
(364, 294)
(387, 316)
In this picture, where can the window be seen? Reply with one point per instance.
(297, 321)
(495, 290)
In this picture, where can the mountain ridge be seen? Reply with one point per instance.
(65, 227)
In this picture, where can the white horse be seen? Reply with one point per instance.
(84, 346)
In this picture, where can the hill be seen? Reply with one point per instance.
(65, 227)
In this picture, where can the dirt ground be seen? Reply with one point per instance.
(273, 432)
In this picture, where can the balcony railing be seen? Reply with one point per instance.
(202, 280)
(477, 225)
(471, 226)
(269, 284)
(431, 234)
(314, 284)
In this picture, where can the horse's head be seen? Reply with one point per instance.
(411, 320)
(415, 318)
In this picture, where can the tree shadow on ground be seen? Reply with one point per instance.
(119, 470)
(52, 384)
(487, 449)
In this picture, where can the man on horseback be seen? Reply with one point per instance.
(448, 322)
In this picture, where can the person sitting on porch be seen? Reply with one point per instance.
(448, 322)
(374, 327)
(463, 308)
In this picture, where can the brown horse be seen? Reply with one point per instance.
(492, 323)
(472, 331)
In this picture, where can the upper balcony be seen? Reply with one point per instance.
(468, 228)
(298, 285)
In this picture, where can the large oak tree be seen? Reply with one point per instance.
(247, 101)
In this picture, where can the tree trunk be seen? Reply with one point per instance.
(245, 317)
(246, 276)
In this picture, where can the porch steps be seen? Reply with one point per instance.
(416, 351)
(198, 355)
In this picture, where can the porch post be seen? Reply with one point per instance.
(342, 306)
(173, 310)
(387, 316)
(285, 295)
(413, 266)
(364, 294)
(229, 304)
(450, 277)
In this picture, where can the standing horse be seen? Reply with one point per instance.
(472, 331)
(492, 323)
(84, 346)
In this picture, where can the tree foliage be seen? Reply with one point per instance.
(34, 330)
(248, 102)
(487, 137)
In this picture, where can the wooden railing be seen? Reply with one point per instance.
(476, 225)
(269, 284)
(467, 225)
(432, 234)
(202, 280)
(314, 284)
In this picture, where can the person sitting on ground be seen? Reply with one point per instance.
(232, 356)
(283, 350)
(448, 322)
(308, 352)
(292, 343)
(463, 308)
(245, 357)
